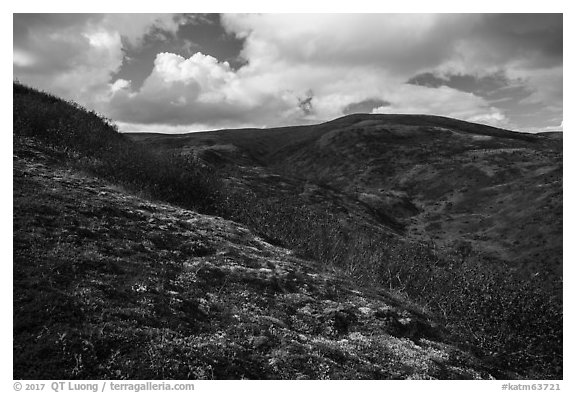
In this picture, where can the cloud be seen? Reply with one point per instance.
(305, 104)
(200, 90)
(401, 43)
(523, 48)
(485, 85)
(196, 90)
(134, 27)
(74, 55)
(297, 69)
(525, 40)
(289, 57)
(444, 101)
(365, 106)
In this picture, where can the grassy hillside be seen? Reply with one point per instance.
(112, 282)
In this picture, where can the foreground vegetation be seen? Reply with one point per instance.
(513, 321)
(110, 285)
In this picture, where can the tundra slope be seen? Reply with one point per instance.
(110, 285)
(512, 321)
(491, 193)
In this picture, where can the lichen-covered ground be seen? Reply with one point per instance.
(111, 285)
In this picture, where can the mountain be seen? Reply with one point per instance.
(257, 254)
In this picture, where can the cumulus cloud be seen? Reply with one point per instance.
(196, 90)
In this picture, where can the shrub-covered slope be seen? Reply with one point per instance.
(463, 218)
(90, 215)
(437, 179)
(110, 285)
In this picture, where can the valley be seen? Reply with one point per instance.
(494, 193)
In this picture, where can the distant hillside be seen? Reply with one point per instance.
(118, 274)
(448, 181)
(266, 144)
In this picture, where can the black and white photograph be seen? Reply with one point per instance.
(287, 196)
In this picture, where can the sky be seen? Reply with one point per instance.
(190, 72)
